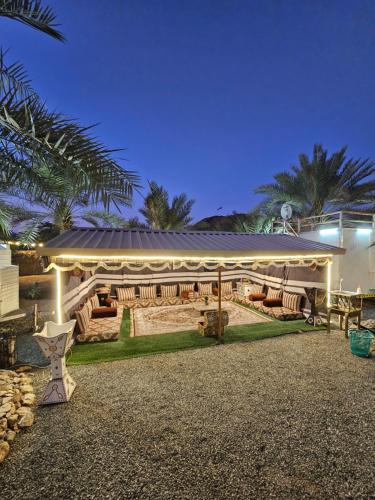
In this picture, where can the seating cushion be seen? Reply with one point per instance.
(256, 288)
(226, 287)
(94, 301)
(254, 297)
(292, 301)
(89, 306)
(186, 287)
(274, 293)
(104, 312)
(83, 319)
(124, 294)
(205, 288)
(284, 313)
(168, 291)
(147, 292)
(272, 302)
(185, 294)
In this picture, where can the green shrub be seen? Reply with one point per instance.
(32, 292)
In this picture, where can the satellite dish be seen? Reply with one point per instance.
(286, 211)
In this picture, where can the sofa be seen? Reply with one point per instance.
(170, 294)
(97, 323)
(285, 308)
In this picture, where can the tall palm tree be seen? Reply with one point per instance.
(322, 183)
(34, 140)
(160, 214)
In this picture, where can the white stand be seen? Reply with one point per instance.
(54, 341)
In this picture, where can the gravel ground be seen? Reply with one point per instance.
(287, 417)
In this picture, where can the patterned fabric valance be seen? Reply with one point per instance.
(191, 266)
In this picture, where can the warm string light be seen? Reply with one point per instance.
(189, 258)
(19, 243)
(58, 297)
(133, 263)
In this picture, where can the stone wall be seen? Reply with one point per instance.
(16, 400)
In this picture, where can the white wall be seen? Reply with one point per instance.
(9, 289)
(357, 266)
(9, 285)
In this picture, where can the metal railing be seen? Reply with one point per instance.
(342, 219)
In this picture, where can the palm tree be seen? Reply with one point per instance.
(160, 214)
(255, 222)
(34, 140)
(321, 184)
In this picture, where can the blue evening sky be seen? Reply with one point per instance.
(210, 97)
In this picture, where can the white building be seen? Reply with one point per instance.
(9, 283)
(354, 231)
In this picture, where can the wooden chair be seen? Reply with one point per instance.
(208, 326)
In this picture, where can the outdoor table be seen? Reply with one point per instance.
(346, 305)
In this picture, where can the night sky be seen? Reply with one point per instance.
(210, 97)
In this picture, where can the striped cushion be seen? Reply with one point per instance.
(89, 307)
(186, 287)
(83, 319)
(147, 292)
(273, 293)
(292, 301)
(124, 294)
(226, 288)
(168, 290)
(255, 289)
(94, 301)
(205, 288)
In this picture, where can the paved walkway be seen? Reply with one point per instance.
(288, 417)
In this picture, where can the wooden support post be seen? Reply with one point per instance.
(219, 308)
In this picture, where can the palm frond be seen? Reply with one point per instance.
(31, 13)
(99, 218)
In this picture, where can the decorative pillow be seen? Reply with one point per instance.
(185, 294)
(205, 288)
(104, 312)
(124, 294)
(255, 297)
(256, 288)
(94, 301)
(226, 288)
(292, 301)
(147, 292)
(272, 302)
(83, 319)
(109, 301)
(215, 291)
(89, 306)
(186, 287)
(168, 290)
(273, 293)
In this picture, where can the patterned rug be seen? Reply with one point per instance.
(168, 319)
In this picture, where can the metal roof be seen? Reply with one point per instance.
(133, 242)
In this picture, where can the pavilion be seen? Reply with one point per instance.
(85, 257)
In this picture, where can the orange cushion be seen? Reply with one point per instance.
(272, 302)
(104, 312)
(184, 294)
(254, 297)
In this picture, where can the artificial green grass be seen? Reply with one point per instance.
(128, 347)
